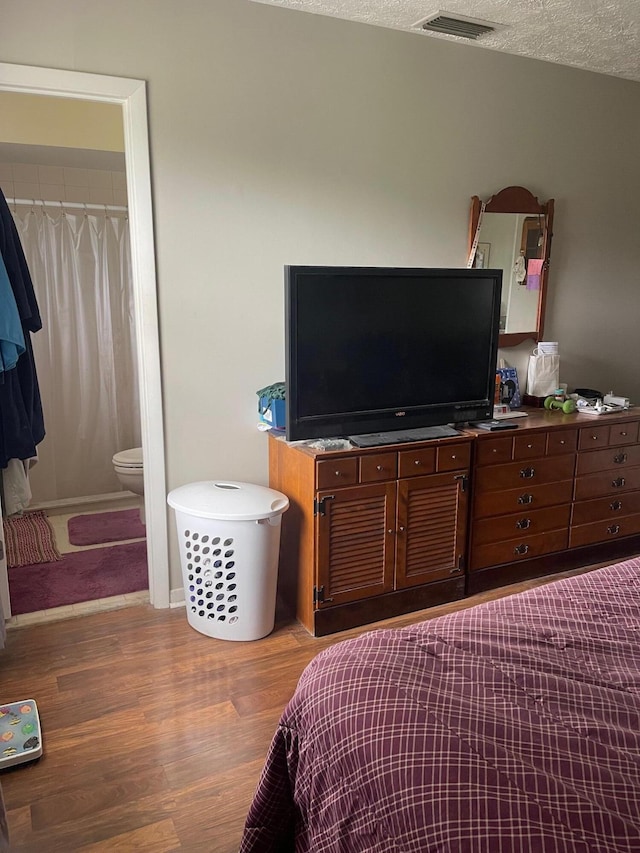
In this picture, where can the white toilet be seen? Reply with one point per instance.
(129, 470)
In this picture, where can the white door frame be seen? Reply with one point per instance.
(131, 94)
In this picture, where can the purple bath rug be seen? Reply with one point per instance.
(79, 576)
(99, 527)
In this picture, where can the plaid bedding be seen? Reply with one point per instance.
(512, 726)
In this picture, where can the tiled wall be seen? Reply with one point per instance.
(59, 183)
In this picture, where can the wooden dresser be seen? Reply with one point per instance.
(559, 492)
(373, 533)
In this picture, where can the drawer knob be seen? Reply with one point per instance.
(594, 437)
(562, 441)
(618, 483)
(453, 455)
(338, 473)
(528, 473)
(620, 458)
(529, 446)
(417, 462)
(615, 528)
(379, 468)
(520, 549)
(525, 499)
(523, 523)
(615, 505)
(623, 433)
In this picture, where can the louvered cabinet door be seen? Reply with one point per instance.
(355, 543)
(431, 528)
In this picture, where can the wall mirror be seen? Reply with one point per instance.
(512, 231)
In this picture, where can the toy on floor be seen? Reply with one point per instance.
(20, 734)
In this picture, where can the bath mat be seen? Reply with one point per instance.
(29, 539)
(79, 576)
(100, 527)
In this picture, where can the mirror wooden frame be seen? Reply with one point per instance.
(519, 200)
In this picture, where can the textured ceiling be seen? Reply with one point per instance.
(590, 34)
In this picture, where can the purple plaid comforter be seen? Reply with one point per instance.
(512, 726)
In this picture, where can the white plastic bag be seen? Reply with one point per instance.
(543, 375)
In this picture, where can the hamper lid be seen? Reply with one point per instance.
(228, 500)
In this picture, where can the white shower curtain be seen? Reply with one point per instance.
(80, 264)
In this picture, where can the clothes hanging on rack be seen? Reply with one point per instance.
(21, 418)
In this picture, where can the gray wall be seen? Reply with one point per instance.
(281, 137)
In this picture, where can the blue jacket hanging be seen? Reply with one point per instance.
(21, 418)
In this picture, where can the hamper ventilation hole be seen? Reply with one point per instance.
(189, 554)
(231, 586)
(228, 542)
(215, 540)
(220, 608)
(232, 598)
(208, 583)
(195, 535)
(220, 596)
(206, 549)
(231, 576)
(228, 554)
(196, 547)
(190, 566)
(205, 538)
(233, 608)
(217, 564)
(217, 552)
(218, 575)
(229, 565)
(221, 617)
(187, 533)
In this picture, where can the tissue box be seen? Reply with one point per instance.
(272, 412)
(271, 405)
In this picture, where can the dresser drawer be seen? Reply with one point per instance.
(493, 450)
(613, 458)
(453, 457)
(593, 437)
(337, 472)
(514, 550)
(605, 509)
(561, 441)
(412, 463)
(529, 446)
(607, 483)
(623, 433)
(526, 473)
(378, 466)
(524, 498)
(604, 531)
(527, 522)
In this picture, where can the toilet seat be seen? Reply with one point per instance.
(130, 459)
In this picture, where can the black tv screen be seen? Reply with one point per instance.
(373, 349)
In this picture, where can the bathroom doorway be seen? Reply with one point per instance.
(130, 95)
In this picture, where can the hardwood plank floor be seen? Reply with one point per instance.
(154, 735)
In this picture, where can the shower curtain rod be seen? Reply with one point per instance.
(72, 205)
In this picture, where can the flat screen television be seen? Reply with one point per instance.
(372, 349)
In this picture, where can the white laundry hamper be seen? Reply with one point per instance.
(229, 537)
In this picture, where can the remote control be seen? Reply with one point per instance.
(494, 425)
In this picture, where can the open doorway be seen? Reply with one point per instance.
(130, 95)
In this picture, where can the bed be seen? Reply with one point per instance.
(512, 726)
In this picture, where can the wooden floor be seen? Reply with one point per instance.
(154, 735)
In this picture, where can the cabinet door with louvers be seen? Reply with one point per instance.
(355, 537)
(431, 525)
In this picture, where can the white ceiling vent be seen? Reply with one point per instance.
(445, 23)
